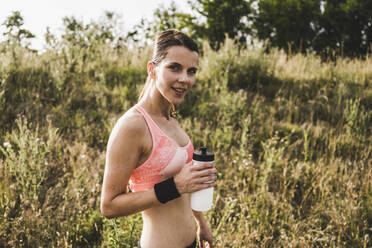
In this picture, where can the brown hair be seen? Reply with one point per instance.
(163, 42)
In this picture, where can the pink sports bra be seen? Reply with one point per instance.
(166, 158)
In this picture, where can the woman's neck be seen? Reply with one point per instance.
(155, 104)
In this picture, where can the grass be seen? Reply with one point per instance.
(292, 138)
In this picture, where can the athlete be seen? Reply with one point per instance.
(149, 150)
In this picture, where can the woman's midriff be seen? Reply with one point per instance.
(170, 225)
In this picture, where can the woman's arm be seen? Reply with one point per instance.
(204, 232)
(124, 149)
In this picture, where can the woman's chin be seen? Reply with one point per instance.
(177, 101)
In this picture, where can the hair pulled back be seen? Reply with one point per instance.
(163, 42)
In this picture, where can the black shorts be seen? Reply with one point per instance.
(193, 245)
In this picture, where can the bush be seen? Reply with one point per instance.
(30, 91)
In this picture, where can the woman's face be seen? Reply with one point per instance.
(176, 73)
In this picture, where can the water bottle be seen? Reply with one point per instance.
(202, 200)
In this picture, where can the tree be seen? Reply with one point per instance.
(15, 34)
(327, 27)
(223, 17)
(164, 18)
(288, 24)
(346, 28)
(79, 34)
(216, 19)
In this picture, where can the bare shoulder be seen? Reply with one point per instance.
(132, 122)
(130, 127)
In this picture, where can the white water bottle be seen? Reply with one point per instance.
(202, 200)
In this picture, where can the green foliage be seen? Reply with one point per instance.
(115, 235)
(15, 34)
(346, 27)
(223, 18)
(326, 27)
(26, 162)
(86, 231)
(32, 89)
(45, 199)
(31, 168)
(288, 24)
(357, 119)
(215, 20)
(170, 17)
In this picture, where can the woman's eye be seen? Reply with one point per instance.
(192, 71)
(174, 67)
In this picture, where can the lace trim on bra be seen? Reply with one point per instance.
(163, 152)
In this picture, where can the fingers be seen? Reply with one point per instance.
(205, 244)
(201, 166)
(208, 179)
(208, 243)
(203, 170)
(207, 176)
(195, 177)
(204, 175)
(202, 186)
(206, 172)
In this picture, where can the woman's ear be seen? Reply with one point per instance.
(151, 70)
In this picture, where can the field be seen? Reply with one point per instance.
(291, 133)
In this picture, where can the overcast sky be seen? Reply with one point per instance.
(40, 14)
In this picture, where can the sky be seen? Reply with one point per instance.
(40, 14)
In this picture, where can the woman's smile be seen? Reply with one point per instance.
(176, 74)
(179, 91)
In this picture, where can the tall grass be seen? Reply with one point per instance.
(292, 137)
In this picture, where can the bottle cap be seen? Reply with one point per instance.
(203, 155)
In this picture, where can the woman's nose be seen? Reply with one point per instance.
(184, 77)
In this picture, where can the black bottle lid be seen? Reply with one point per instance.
(203, 155)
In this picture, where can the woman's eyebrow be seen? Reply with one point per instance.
(178, 64)
(174, 63)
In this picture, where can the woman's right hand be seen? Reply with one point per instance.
(195, 177)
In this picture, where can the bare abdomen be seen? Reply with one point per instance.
(170, 225)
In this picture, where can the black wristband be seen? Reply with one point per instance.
(166, 191)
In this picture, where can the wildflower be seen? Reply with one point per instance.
(7, 144)
(37, 140)
(83, 156)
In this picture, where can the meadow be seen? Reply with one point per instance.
(291, 134)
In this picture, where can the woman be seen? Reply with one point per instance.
(148, 149)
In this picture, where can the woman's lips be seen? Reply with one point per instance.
(179, 91)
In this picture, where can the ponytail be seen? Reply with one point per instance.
(144, 89)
